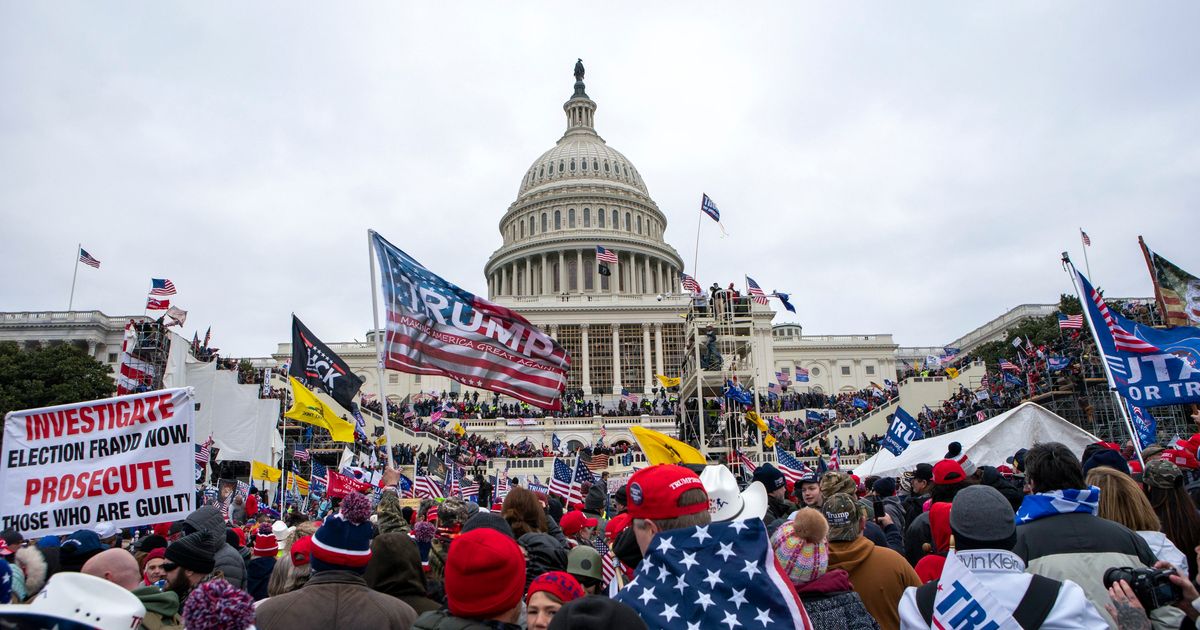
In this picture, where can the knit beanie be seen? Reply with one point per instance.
(800, 547)
(343, 542)
(265, 543)
(149, 543)
(560, 584)
(218, 605)
(981, 518)
(490, 520)
(1105, 457)
(596, 612)
(193, 552)
(884, 487)
(485, 574)
(955, 453)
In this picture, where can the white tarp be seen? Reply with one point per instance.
(241, 424)
(987, 443)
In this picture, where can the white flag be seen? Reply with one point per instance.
(932, 361)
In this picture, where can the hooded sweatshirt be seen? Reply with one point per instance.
(395, 569)
(879, 575)
(832, 604)
(229, 561)
(162, 608)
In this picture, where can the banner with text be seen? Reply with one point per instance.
(127, 460)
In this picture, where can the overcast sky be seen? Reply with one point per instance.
(912, 169)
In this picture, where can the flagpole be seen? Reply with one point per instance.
(387, 433)
(1158, 297)
(1112, 388)
(79, 248)
(695, 253)
(1086, 264)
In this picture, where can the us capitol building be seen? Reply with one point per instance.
(620, 329)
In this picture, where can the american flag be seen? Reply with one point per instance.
(717, 575)
(985, 382)
(607, 562)
(1122, 339)
(980, 416)
(801, 375)
(161, 286)
(87, 259)
(708, 207)
(834, 462)
(435, 416)
(626, 396)
(583, 473)
(690, 284)
(204, 451)
(300, 453)
(599, 461)
(560, 482)
(496, 349)
(746, 462)
(501, 485)
(454, 485)
(773, 388)
(605, 255)
(1007, 365)
(793, 469)
(756, 291)
(1086, 239)
(154, 304)
(319, 473)
(427, 487)
(1066, 322)
(471, 490)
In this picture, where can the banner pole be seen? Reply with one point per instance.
(79, 248)
(387, 421)
(1123, 409)
(695, 253)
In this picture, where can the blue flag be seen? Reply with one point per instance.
(406, 485)
(1012, 379)
(860, 403)
(738, 394)
(783, 297)
(814, 416)
(1144, 424)
(903, 432)
(1150, 367)
(1058, 363)
(555, 442)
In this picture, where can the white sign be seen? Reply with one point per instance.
(127, 460)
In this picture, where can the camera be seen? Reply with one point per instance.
(1153, 587)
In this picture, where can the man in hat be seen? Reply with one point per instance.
(777, 506)
(981, 521)
(920, 484)
(336, 596)
(665, 497)
(585, 564)
(229, 562)
(879, 574)
(119, 567)
(810, 490)
(189, 562)
(485, 579)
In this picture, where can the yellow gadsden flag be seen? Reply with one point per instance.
(263, 472)
(952, 372)
(308, 408)
(663, 449)
(459, 430)
(667, 381)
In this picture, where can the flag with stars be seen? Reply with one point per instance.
(791, 467)
(721, 575)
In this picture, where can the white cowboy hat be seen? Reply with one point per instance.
(84, 599)
(726, 502)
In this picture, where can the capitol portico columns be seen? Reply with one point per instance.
(616, 358)
(579, 270)
(587, 371)
(658, 353)
(646, 356)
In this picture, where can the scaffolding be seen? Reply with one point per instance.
(147, 353)
(718, 349)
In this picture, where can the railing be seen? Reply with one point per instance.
(66, 317)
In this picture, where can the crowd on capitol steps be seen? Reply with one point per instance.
(1048, 538)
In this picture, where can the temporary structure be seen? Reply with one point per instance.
(990, 442)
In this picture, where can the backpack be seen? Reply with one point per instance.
(1031, 611)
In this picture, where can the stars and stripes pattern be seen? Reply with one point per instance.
(721, 575)
(690, 284)
(605, 255)
(204, 451)
(501, 485)
(300, 453)
(746, 462)
(1123, 339)
(627, 397)
(607, 562)
(583, 473)
(88, 259)
(454, 485)
(791, 467)
(318, 473)
(486, 346)
(1087, 240)
(1067, 322)
(835, 462)
(756, 292)
(1009, 366)
(801, 374)
(427, 487)
(470, 491)
(598, 461)
(161, 286)
(562, 484)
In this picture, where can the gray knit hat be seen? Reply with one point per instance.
(981, 515)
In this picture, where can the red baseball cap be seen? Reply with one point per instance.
(947, 472)
(574, 521)
(616, 525)
(654, 492)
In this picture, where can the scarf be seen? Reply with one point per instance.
(1055, 502)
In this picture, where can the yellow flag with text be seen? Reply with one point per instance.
(952, 372)
(309, 409)
(668, 381)
(263, 472)
(459, 430)
(663, 449)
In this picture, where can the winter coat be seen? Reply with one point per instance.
(992, 477)
(258, 574)
(890, 537)
(914, 506)
(395, 569)
(916, 537)
(894, 507)
(832, 604)
(443, 620)
(389, 515)
(879, 576)
(543, 553)
(777, 509)
(1080, 547)
(162, 608)
(229, 561)
(334, 600)
(1160, 546)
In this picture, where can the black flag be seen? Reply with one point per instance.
(603, 270)
(315, 364)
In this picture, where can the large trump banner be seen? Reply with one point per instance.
(127, 460)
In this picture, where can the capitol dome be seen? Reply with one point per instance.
(577, 196)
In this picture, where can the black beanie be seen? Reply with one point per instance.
(193, 552)
(490, 520)
(151, 542)
(596, 611)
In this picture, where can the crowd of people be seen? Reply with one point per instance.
(1051, 538)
